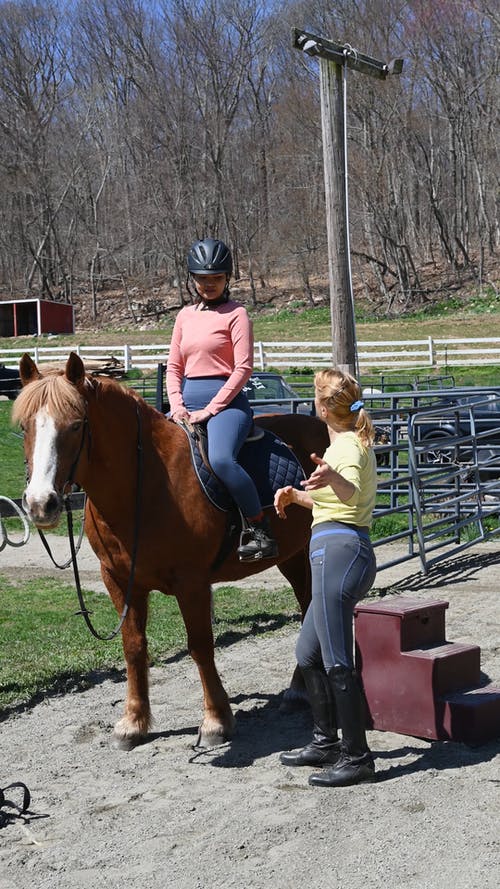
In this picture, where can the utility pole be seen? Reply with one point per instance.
(334, 60)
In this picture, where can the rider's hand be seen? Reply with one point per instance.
(180, 414)
(199, 416)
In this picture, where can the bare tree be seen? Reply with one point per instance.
(127, 129)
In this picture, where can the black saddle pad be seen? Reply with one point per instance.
(268, 461)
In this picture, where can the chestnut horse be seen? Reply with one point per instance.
(84, 430)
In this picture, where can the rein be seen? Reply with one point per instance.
(44, 540)
(84, 611)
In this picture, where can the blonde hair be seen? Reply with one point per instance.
(53, 390)
(338, 392)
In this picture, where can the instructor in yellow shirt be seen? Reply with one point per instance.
(341, 493)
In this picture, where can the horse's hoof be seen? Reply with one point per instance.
(213, 734)
(126, 742)
(207, 740)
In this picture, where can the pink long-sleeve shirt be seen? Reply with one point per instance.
(209, 343)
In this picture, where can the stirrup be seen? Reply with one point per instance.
(256, 545)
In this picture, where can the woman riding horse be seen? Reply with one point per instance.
(210, 361)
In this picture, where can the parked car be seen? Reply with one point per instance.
(449, 436)
(263, 387)
(10, 382)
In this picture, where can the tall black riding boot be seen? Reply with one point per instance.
(355, 764)
(324, 748)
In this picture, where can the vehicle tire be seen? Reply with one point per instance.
(438, 452)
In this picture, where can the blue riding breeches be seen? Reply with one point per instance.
(226, 433)
(343, 570)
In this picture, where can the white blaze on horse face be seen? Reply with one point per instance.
(44, 463)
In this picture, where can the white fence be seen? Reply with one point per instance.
(376, 355)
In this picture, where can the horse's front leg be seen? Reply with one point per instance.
(134, 725)
(217, 725)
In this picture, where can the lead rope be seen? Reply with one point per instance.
(10, 809)
(68, 562)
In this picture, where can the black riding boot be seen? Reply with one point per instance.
(324, 748)
(355, 764)
(257, 543)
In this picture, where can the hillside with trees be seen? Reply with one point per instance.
(129, 128)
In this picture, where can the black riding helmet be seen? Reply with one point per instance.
(210, 257)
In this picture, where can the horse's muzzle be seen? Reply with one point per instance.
(44, 511)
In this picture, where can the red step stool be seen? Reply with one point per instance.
(415, 682)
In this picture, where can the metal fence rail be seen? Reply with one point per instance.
(12, 508)
(428, 498)
(457, 496)
(444, 488)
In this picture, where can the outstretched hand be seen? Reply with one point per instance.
(321, 477)
(282, 498)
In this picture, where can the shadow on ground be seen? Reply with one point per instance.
(460, 569)
(268, 728)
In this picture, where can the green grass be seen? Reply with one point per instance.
(12, 474)
(47, 649)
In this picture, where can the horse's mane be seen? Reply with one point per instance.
(55, 392)
(61, 397)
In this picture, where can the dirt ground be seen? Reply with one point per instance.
(165, 815)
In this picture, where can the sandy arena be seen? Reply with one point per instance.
(166, 816)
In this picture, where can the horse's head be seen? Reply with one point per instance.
(51, 410)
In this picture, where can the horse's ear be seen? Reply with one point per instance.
(75, 371)
(28, 370)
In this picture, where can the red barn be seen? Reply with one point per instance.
(23, 317)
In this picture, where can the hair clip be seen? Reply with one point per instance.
(356, 406)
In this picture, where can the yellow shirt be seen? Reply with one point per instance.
(357, 465)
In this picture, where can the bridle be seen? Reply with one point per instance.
(84, 611)
(66, 494)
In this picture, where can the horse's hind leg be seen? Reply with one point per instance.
(297, 571)
(218, 721)
(134, 725)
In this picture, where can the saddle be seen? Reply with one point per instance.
(267, 459)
